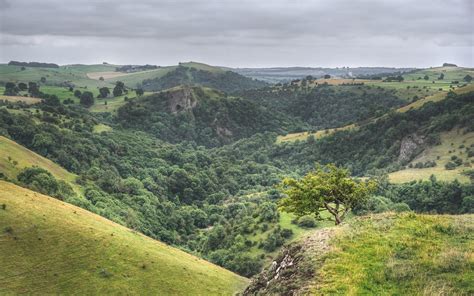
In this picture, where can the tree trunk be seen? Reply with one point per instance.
(338, 220)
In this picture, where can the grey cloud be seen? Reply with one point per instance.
(286, 26)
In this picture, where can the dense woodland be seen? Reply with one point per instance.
(204, 178)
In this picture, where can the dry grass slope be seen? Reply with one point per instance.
(51, 247)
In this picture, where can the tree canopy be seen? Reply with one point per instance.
(327, 188)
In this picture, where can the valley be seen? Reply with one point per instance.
(184, 166)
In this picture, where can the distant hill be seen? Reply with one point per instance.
(51, 247)
(282, 74)
(188, 74)
(387, 254)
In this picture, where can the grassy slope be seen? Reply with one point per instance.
(27, 158)
(403, 254)
(450, 143)
(51, 247)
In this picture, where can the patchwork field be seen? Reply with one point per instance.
(51, 247)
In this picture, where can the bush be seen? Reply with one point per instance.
(307, 221)
(450, 166)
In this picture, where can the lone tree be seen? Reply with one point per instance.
(118, 89)
(87, 99)
(104, 92)
(327, 188)
(139, 92)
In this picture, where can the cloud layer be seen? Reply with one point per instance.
(239, 33)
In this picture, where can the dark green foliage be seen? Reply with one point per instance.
(326, 106)
(139, 92)
(212, 122)
(42, 181)
(87, 99)
(119, 89)
(11, 89)
(77, 93)
(22, 86)
(33, 89)
(33, 64)
(104, 92)
(307, 221)
(432, 196)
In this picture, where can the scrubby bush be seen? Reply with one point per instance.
(307, 221)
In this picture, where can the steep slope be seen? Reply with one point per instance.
(386, 254)
(50, 247)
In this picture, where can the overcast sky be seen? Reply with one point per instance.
(239, 33)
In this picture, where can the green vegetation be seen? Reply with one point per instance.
(326, 189)
(197, 168)
(187, 74)
(383, 254)
(455, 143)
(14, 158)
(51, 247)
(400, 254)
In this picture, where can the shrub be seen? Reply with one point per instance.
(307, 221)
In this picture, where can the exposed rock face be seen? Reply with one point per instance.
(294, 269)
(223, 131)
(410, 147)
(181, 100)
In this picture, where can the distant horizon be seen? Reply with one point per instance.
(235, 67)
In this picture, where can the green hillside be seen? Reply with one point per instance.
(14, 158)
(386, 254)
(50, 247)
(202, 75)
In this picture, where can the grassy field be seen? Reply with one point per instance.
(101, 128)
(14, 157)
(51, 247)
(400, 254)
(441, 154)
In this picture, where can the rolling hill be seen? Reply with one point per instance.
(385, 254)
(51, 247)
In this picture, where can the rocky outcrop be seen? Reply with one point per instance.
(181, 99)
(293, 270)
(410, 147)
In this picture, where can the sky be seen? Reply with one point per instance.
(239, 33)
